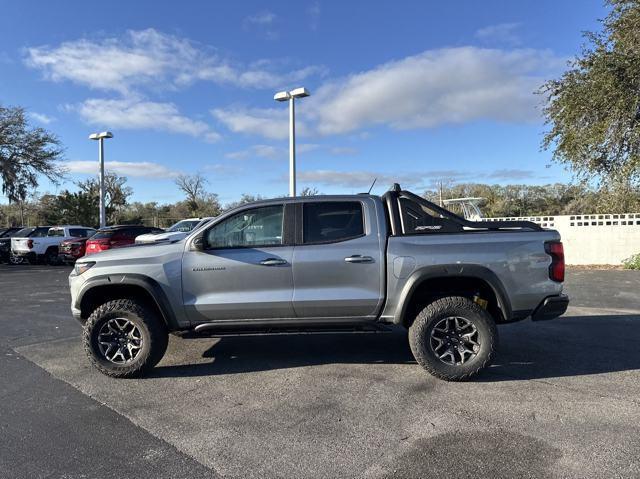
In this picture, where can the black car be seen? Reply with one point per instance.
(5, 239)
(7, 232)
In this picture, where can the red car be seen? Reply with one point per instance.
(72, 249)
(116, 237)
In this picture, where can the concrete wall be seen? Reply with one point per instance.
(593, 239)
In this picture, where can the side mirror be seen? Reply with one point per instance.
(198, 243)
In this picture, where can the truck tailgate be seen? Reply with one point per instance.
(20, 245)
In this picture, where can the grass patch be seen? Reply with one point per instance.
(633, 262)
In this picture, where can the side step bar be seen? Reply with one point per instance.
(259, 327)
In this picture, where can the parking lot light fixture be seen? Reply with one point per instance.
(290, 96)
(100, 137)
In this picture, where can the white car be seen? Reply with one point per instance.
(45, 248)
(177, 232)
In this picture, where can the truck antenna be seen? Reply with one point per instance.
(374, 182)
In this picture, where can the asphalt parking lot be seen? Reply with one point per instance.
(562, 399)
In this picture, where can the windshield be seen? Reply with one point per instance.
(184, 226)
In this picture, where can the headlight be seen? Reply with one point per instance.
(80, 268)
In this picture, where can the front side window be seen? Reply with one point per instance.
(247, 229)
(331, 221)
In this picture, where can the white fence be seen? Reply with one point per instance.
(593, 239)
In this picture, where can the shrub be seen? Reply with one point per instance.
(633, 262)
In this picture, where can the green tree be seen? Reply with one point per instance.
(593, 109)
(77, 208)
(25, 154)
(244, 199)
(117, 194)
(309, 191)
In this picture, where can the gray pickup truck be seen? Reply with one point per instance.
(324, 263)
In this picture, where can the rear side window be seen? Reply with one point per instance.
(80, 232)
(104, 234)
(331, 221)
(39, 233)
(126, 234)
(56, 232)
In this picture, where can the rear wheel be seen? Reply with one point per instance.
(124, 339)
(453, 338)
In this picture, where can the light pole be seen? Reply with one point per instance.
(291, 96)
(101, 137)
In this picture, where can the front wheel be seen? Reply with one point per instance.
(453, 338)
(51, 257)
(123, 338)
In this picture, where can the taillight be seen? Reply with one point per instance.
(95, 246)
(556, 268)
(30, 244)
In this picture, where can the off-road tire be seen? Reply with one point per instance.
(453, 306)
(153, 331)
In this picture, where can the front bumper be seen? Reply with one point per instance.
(551, 307)
(75, 283)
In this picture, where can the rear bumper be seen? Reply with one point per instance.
(31, 255)
(551, 307)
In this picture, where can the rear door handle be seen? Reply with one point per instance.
(357, 258)
(272, 262)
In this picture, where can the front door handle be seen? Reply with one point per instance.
(272, 262)
(357, 258)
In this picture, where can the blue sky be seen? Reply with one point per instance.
(412, 91)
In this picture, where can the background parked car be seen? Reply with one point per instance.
(46, 247)
(7, 232)
(72, 249)
(176, 232)
(116, 237)
(5, 243)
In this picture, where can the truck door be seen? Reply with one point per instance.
(244, 269)
(338, 261)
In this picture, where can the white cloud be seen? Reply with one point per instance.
(41, 117)
(504, 33)
(364, 178)
(267, 122)
(151, 58)
(314, 15)
(437, 87)
(140, 114)
(343, 151)
(263, 18)
(269, 151)
(143, 169)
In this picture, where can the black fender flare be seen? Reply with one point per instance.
(150, 285)
(472, 271)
